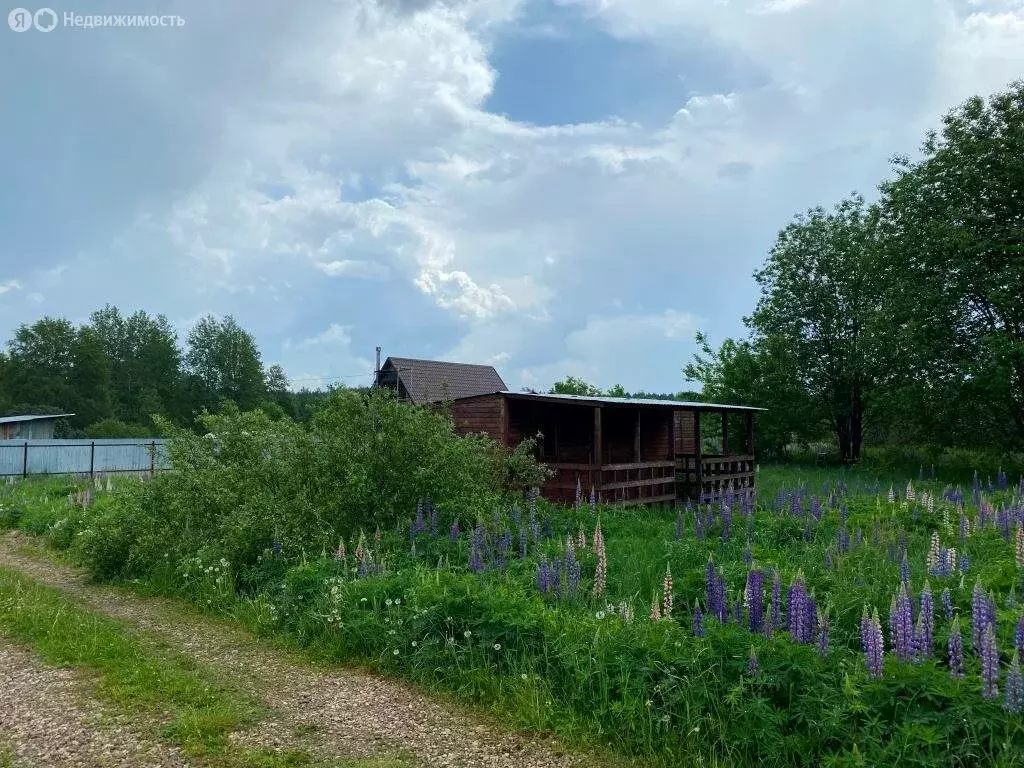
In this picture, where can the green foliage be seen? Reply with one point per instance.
(576, 665)
(250, 480)
(571, 385)
(224, 363)
(110, 428)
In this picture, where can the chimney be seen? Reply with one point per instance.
(376, 370)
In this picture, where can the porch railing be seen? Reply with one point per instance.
(643, 482)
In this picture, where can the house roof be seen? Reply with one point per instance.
(642, 402)
(33, 417)
(429, 381)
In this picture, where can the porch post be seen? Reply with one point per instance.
(636, 438)
(595, 471)
(750, 434)
(698, 455)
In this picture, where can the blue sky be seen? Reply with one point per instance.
(558, 187)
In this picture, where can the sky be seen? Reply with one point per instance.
(554, 187)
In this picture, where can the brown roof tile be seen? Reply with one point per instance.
(429, 381)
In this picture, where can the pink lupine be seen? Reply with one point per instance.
(667, 609)
(655, 607)
(601, 573)
(1019, 546)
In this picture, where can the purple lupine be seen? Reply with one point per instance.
(572, 573)
(698, 619)
(593, 499)
(522, 543)
(823, 631)
(477, 542)
(419, 525)
(710, 586)
(755, 600)
(774, 617)
(872, 642)
(956, 650)
(1018, 636)
(816, 508)
(989, 664)
(753, 666)
(800, 606)
(947, 603)
(982, 614)
(925, 635)
(544, 583)
(965, 563)
(1014, 701)
(720, 599)
(963, 527)
(577, 503)
(453, 532)
(902, 623)
(904, 570)
(534, 527)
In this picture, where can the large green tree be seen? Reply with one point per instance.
(224, 363)
(953, 224)
(761, 373)
(145, 363)
(41, 358)
(820, 301)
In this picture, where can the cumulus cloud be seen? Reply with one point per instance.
(339, 166)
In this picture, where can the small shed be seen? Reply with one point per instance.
(433, 381)
(628, 451)
(30, 427)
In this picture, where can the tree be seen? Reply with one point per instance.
(762, 374)
(955, 259)
(145, 364)
(279, 390)
(90, 379)
(224, 364)
(820, 303)
(40, 363)
(571, 385)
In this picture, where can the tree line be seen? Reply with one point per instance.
(899, 320)
(116, 372)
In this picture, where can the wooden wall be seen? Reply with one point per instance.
(685, 442)
(480, 414)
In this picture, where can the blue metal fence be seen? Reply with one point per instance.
(21, 458)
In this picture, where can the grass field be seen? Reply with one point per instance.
(729, 635)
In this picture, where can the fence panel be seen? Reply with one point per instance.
(87, 457)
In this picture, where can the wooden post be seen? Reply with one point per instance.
(725, 433)
(503, 420)
(595, 472)
(24, 461)
(699, 451)
(92, 458)
(636, 438)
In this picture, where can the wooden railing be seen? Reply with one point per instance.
(712, 476)
(645, 482)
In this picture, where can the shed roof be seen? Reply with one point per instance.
(33, 417)
(632, 401)
(429, 381)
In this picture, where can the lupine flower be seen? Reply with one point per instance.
(979, 615)
(361, 547)
(901, 622)
(933, 554)
(656, 607)
(581, 539)
(1019, 545)
(910, 492)
(419, 525)
(544, 584)
(477, 542)
(1014, 701)
(823, 631)
(892, 495)
(523, 541)
(956, 650)
(753, 667)
(593, 500)
(872, 642)
(947, 603)
(774, 617)
(579, 494)
(339, 553)
(667, 604)
(925, 635)
(572, 573)
(965, 563)
(601, 572)
(698, 619)
(626, 611)
(989, 664)
(904, 570)
(755, 600)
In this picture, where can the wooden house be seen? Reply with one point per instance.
(433, 381)
(30, 427)
(628, 451)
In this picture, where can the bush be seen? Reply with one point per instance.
(113, 428)
(252, 480)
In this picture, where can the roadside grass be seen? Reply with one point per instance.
(194, 710)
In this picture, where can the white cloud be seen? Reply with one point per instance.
(353, 268)
(10, 285)
(334, 334)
